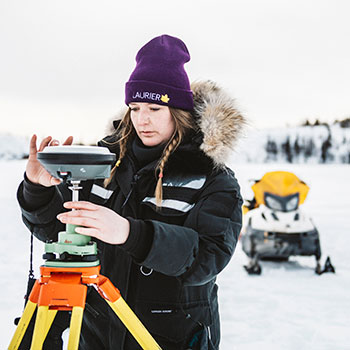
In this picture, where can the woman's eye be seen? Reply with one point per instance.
(133, 109)
(155, 109)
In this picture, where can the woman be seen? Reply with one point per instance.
(167, 220)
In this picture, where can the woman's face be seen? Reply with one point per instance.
(153, 123)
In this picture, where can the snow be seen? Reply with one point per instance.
(288, 307)
(13, 146)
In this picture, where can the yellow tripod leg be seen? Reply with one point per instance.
(75, 327)
(22, 325)
(49, 320)
(133, 324)
(43, 322)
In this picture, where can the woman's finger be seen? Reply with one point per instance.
(54, 181)
(82, 213)
(79, 221)
(44, 143)
(54, 142)
(32, 146)
(81, 205)
(68, 141)
(92, 232)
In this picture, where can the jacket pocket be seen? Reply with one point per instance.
(173, 323)
(200, 339)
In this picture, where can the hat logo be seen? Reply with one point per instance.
(165, 98)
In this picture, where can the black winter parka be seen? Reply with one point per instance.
(171, 284)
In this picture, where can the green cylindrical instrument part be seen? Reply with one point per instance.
(78, 239)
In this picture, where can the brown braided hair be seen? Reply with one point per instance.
(183, 123)
(123, 133)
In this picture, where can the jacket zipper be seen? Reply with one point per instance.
(133, 183)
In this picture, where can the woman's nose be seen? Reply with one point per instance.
(143, 117)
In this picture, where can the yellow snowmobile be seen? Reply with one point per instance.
(274, 226)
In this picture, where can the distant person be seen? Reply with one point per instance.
(172, 220)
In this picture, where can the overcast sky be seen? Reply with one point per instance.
(64, 63)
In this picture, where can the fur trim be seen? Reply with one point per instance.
(218, 119)
(110, 129)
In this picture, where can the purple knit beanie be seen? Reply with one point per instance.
(159, 76)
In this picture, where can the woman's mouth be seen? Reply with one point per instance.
(147, 133)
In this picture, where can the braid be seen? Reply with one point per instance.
(172, 145)
(123, 133)
(183, 122)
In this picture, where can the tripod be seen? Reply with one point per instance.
(65, 289)
(63, 286)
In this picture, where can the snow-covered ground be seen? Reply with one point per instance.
(288, 307)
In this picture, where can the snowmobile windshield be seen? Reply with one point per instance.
(285, 203)
(281, 184)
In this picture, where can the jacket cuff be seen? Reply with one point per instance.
(140, 239)
(35, 196)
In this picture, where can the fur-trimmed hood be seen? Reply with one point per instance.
(219, 122)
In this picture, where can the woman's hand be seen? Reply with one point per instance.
(98, 221)
(35, 172)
